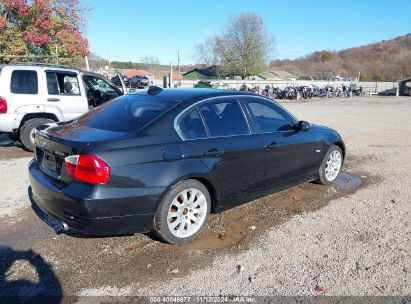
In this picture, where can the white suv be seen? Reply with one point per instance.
(36, 94)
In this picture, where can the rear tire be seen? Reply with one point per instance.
(183, 212)
(331, 165)
(27, 131)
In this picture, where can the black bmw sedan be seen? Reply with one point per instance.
(163, 159)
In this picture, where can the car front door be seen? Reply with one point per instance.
(64, 94)
(219, 133)
(290, 153)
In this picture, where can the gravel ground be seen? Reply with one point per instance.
(358, 244)
(13, 187)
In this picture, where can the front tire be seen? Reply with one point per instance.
(331, 165)
(27, 131)
(183, 212)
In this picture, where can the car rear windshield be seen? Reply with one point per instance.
(128, 113)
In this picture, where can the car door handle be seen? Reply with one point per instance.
(53, 99)
(272, 145)
(213, 153)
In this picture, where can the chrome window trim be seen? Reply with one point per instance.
(196, 104)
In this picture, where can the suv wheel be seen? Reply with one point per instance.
(27, 131)
(183, 212)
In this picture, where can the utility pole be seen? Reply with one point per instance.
(171, 75)
(178, 60)
(57, 56)
(87, 65)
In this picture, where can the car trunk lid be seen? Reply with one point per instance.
(55, 142)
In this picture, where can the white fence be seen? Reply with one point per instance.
(368, 86)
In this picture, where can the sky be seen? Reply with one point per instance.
(127, 30)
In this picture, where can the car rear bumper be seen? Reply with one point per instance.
(9, 122)
(94, 214)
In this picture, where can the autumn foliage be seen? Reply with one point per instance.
(383, 61)
(42, 27)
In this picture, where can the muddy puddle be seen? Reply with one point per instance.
(232, 230)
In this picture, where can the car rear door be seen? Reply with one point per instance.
(219, 133)
(65, 94)
(290, 153)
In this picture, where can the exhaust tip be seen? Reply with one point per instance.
(65, 226)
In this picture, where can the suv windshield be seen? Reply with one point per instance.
(128, 113)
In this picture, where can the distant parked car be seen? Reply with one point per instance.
(163, 159)
(139, 82)
(35, 94)
(116, 80)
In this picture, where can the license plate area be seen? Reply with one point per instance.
(49, 162)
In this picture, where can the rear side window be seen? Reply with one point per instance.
(224, 118)
(24, 82)
(128, 113)
(192, 126)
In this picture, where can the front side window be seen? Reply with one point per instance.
(269, 117)
(24, 82)
(192, 126)
(99, 90)
(224, 118)
(60, 83)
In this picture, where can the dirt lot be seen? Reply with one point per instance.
(351, 238)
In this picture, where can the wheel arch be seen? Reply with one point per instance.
(207, 182)
(37, 115)
(211, 190)
(341, 145)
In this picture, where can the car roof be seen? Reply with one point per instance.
(185, 94)
(87, 73)
(38, 66)
(52, 67)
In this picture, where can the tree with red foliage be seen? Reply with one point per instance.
(42, 27)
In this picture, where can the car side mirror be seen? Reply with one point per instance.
(303, 125)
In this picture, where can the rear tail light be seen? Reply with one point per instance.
(88, 168)
(3, 105)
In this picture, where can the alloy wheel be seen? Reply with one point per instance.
(333, 165)
(187, 213)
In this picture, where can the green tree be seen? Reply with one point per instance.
(243, 49)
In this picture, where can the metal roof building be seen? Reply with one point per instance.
(277, 75)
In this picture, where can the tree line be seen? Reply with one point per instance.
(245, 48)
(382, 61)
